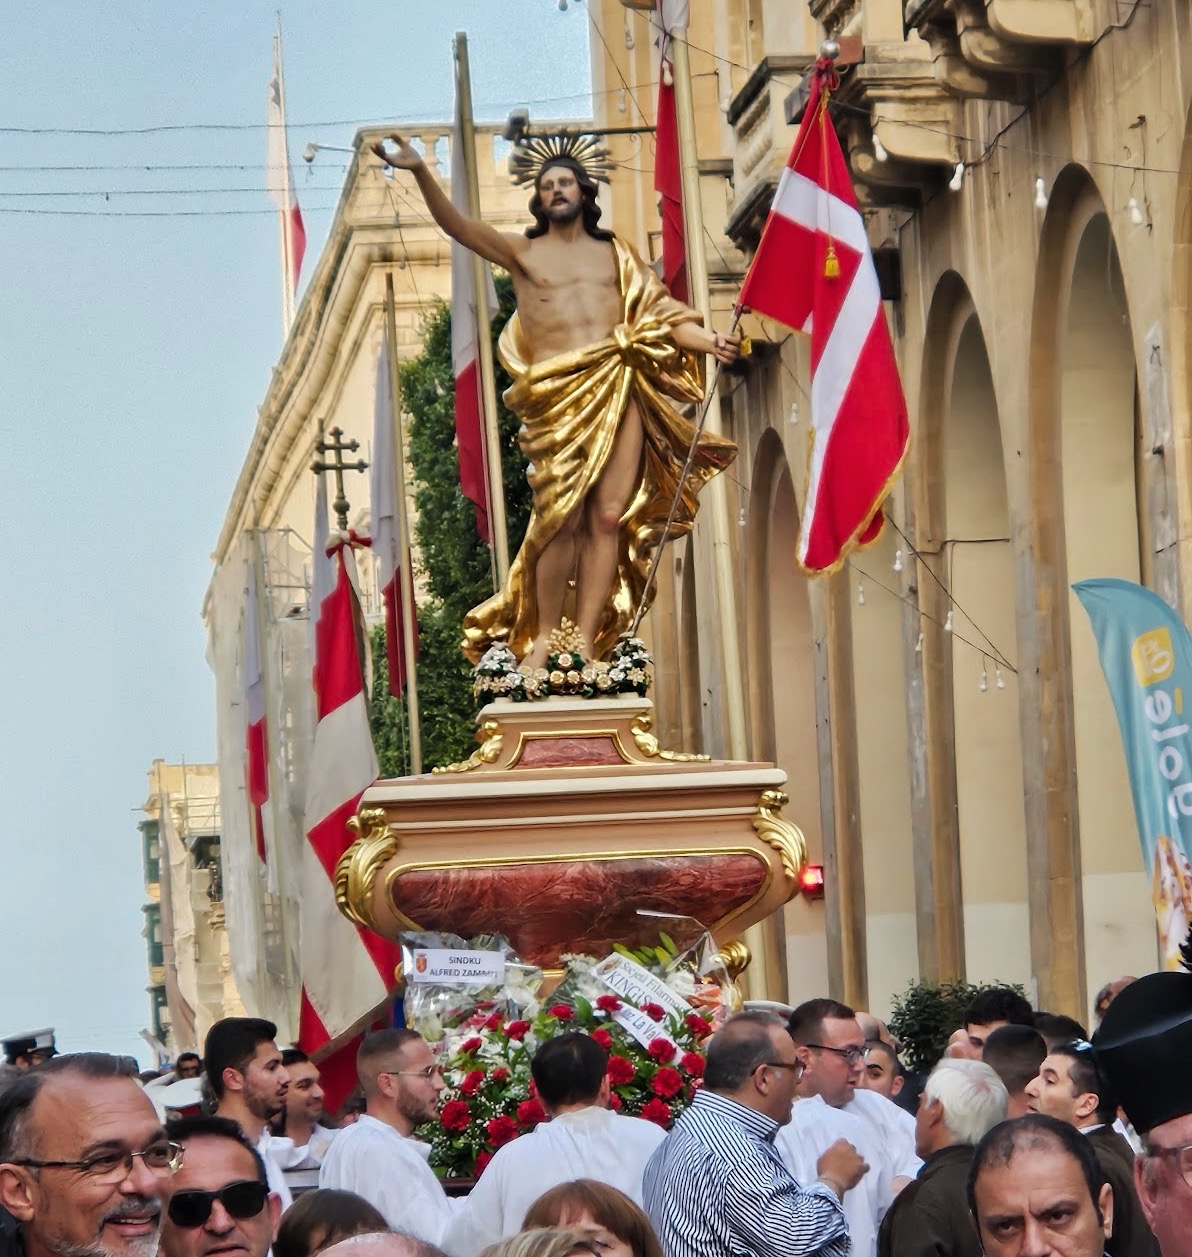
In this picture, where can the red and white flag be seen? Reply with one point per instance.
(347, 972)
(256, 730)
(671, 16)
(467, 326)
(387, 519)
(814, 271)
(279, 180)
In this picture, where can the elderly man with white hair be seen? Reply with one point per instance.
(961, 1101)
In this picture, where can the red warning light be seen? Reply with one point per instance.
(811, 881)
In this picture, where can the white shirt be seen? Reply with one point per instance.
(814, 1127)
(390, 1171)
(302, 1164)
(274, 1152)
(587, 1143)
(895, 1126)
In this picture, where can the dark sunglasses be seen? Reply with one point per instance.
(241, 1200)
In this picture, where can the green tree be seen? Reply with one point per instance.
(454, 561)
(926, 1013)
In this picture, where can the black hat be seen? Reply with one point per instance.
(1143, 1046)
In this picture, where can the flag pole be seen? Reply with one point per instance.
(405, 590)
(488, 385)
(284, 214)
(765, 939)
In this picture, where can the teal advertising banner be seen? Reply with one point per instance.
(1146, 654)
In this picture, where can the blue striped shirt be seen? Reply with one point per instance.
(717, 1188)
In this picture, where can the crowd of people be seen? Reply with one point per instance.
(1025, 1140)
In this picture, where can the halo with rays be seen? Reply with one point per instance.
(532, 152)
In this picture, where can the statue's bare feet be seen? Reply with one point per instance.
(535, 657)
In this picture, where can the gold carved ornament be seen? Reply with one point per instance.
(647, 743)
(491, 740)
(776, 831)
(357, 870)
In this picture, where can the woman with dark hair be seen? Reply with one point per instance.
(605, 1217)
(318, 1219)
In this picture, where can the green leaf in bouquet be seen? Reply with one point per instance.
(668, 942)
(622, 950)
(583, 1009)
(663, 955)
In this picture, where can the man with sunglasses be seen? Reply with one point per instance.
(377, 1157)
(83, 1162)
(218, 1204)
(1143, 1048)
(1070, 1088)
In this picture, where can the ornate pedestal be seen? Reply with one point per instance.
(565, 822)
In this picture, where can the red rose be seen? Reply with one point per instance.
(472, 1083)
(662, 1050)
(563, 1012)
(603, 1037)
(516, 1029)
(469, 1046)
(500, 1130)
(698, 1026)
(455, 1115)
(608, 1003)
(614, 1102)
(693, 1063)
(494, 1022)
(482, 1160)
(656, 1011)
(657, 1112)
(620, 1071)
(501, 1073)
(530, 1113)
(667, 1082)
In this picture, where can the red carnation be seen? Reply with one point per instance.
(614, 1102)
(472, 1083)
(516, 1029)
(667, 1082)
(500, 1130)
(530, 1113)
(494, 1022)
(501, 1073)
(662, 1050)
(603, 1037)
(608, 1003)
(620, 1071)
(470, 1045)
(698, 1026)
(656, 1011)
(563, 1012)
(656, 1111)
(482, 1160)
(693, 1063)
(455, 1115)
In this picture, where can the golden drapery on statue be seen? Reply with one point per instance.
(571, 407)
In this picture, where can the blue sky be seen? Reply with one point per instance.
(134, 352)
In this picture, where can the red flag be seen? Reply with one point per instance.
(387, 520)
(467, 326)
(278, 175)
(346, 972)
(256, 733)
(667, 180)
(814, 271)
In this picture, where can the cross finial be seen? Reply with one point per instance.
(337, 447)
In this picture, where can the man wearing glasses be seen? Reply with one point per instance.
(1144, 1049)
(716, 1186)
(83, 1162)
(218, 1204)
(377, 1157)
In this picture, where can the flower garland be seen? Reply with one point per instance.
(567, 673)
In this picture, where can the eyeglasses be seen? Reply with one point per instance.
(1182, 1156)
(162, 1157)
(244, 1199)
(795, 1066)
(428, 1073)
(853, 1055)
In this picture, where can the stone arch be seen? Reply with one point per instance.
(1086, 421)
(781, 679)
(978, 851)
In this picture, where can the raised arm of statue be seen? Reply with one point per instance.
(502, 248)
